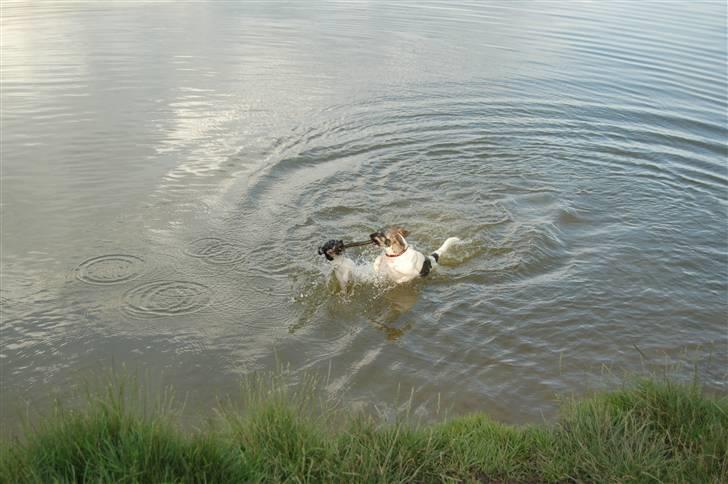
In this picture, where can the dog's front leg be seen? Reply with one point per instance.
(343, 270)
(377, 264)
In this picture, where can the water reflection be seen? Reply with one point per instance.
(182, 161)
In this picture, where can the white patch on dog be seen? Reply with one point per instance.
(398, 263)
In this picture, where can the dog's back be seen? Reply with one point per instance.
(410, 263)
(398, 262)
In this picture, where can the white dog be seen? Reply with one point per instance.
(398, 262)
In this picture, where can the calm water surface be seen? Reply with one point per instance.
(168, 170)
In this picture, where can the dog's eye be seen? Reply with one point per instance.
(387, 242)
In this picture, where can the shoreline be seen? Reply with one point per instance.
(652, 430)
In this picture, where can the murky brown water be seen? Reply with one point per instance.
(168, 171)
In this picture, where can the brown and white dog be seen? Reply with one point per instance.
(398, 262)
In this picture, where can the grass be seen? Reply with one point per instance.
(651, 431)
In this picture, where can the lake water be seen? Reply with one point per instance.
(169, 169)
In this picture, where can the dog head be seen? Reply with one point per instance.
(331, 248)
(391, 239)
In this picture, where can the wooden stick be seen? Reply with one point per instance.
(358, 244)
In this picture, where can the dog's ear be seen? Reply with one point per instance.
(402, 231)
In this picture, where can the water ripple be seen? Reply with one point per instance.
(215, 251)
(165, 298)
(110, 269)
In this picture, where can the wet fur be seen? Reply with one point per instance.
(398, 263)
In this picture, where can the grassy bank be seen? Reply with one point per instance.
(651, 431)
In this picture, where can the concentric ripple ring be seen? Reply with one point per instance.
(110, 269)
(166, 298)
(214, 251)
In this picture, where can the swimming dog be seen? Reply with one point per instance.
(398, 263)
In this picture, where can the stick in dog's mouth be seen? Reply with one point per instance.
(358, 244)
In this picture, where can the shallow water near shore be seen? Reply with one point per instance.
(168, 171)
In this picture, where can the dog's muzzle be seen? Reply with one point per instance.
(377, 238)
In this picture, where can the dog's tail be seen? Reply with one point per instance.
(446, 245)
